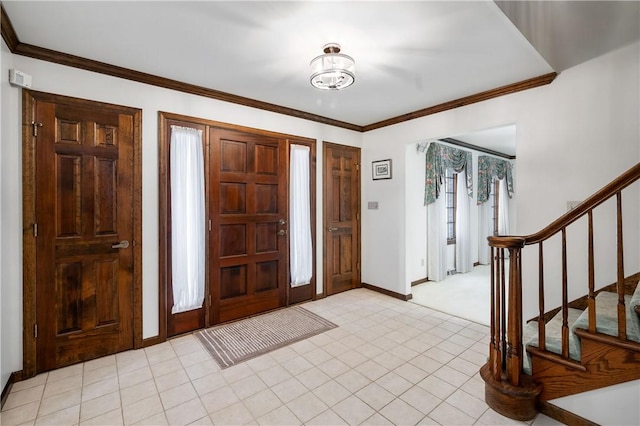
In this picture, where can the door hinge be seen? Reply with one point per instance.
(35, 127)
(35, 331)
(358, 216)
(357, 266)
(357, 166)
(209, 225)
(209, 300)
(35, 230)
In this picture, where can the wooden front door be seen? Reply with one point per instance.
(84, 230)
(341, 217)
(248, 211)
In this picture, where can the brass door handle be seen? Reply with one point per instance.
(282, 232)
(332, 228)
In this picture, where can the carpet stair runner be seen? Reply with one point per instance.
(606, 323)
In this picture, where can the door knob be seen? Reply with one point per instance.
(282, 222)
(282, 232)
(122, 244)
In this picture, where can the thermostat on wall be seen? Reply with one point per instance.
(18, 78)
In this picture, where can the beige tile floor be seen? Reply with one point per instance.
(388, 362)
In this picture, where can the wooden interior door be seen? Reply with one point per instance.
(249, 212)
(84, 229)
(341, 217)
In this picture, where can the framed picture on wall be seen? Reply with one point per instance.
(381, 169)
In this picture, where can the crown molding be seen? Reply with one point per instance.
(16, 47)
(467, 100)
(467, 145)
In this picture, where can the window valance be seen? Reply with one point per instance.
(439, 158)
(490, 168)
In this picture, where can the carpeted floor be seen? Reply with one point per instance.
(462, 295)
(239, 341)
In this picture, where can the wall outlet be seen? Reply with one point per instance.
(372, 205)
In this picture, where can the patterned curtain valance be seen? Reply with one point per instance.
(440, 158)
(490, 168)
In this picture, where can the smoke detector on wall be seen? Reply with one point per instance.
(19, 78)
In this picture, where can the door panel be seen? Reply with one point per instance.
(341, 218)
(248, 244)
(84, 206)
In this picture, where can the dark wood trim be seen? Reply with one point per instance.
(476, 264)
(150, 341)
(138, 296)
(386, 292)
(515, 402)
(302, 294)
(29, 99)
(163, 227)
(562, 415)
(466, 145)
(165, 119)
(28, 240)
(467, 100)
(15, 377)
(568, 363)
(36, 52)
(420, 281)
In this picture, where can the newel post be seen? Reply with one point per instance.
(507, 390)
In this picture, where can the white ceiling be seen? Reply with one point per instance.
(500, 139)
(409, 55)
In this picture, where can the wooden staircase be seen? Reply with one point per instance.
(582, 345)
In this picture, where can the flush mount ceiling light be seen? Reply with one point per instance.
(333, 70)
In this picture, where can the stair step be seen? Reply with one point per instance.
(607, 315)
(553, 338)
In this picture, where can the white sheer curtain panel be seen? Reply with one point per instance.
(187, 219)
(437, 239)
(503, 209)
(485, 229)
(463, 228)
(301, 256)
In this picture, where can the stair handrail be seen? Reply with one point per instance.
(617, 185)
(506, 390)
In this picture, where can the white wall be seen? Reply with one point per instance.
(3, 376)
(53, 78)
(572, 138)
(11, 241)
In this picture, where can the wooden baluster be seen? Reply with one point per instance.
(591, 300)
(565, 297)
(494, 356)
(503, 311)
(542, 341)
(622, 318)
(514, 362)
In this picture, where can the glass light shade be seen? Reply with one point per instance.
(332, 71)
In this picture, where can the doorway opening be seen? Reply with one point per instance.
(437, 270)
(246, 192)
